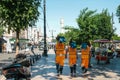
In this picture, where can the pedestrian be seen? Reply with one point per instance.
(72, 57)
(85, 56)
(32, 49)
(115, 54)
(93, 51)
(90, 54)
(60, 54)
(109, 55)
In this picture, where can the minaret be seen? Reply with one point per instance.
(62, 25)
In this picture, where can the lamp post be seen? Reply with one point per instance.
(45, 45)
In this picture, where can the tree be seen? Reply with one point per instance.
(118, 13)
(17, 15)
(95, 25)
(116, 37)
(104, 25)
(92, 26)
(85, 23)
(71, 33)
(1, 30)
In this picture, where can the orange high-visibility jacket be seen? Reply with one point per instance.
(85, 57)
(60, 53)
(72, 56)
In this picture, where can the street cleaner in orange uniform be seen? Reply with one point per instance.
(60, 54)
(85, 56)
(72, 57)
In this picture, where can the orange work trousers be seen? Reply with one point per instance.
(85, 60)
(72, 60)
(60, 59)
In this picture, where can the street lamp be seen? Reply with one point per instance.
(45, 45)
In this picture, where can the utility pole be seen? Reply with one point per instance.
(112, 19)
(45, 45)
(52, 34)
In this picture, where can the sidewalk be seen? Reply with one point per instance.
(45, 69)
(7, 58)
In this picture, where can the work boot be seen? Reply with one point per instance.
(58, 74)
(71, 74)
(90, 66)
(74, 75)
(84, 70)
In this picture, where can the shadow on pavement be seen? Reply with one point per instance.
(45, 69)
(111, 70)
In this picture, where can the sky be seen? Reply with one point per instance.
(69, 10)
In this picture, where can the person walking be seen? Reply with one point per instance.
(85, 56)
(72, 51)
(109, 55)
(92, 51)
(60, 54)
(32, 49)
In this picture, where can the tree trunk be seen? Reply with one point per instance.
(17, 42)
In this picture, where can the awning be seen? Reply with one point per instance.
(102, 41)
(116, 41)
(21, 40)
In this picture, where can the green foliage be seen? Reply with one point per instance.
(71, 32)
(116, 37)
(19, 14)
(118, 13)
(1, 30)
(85, 23)
(104, 25)
(92, 26)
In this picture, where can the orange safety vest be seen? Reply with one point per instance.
(85, 57)
(60, 53)
(72, 56)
